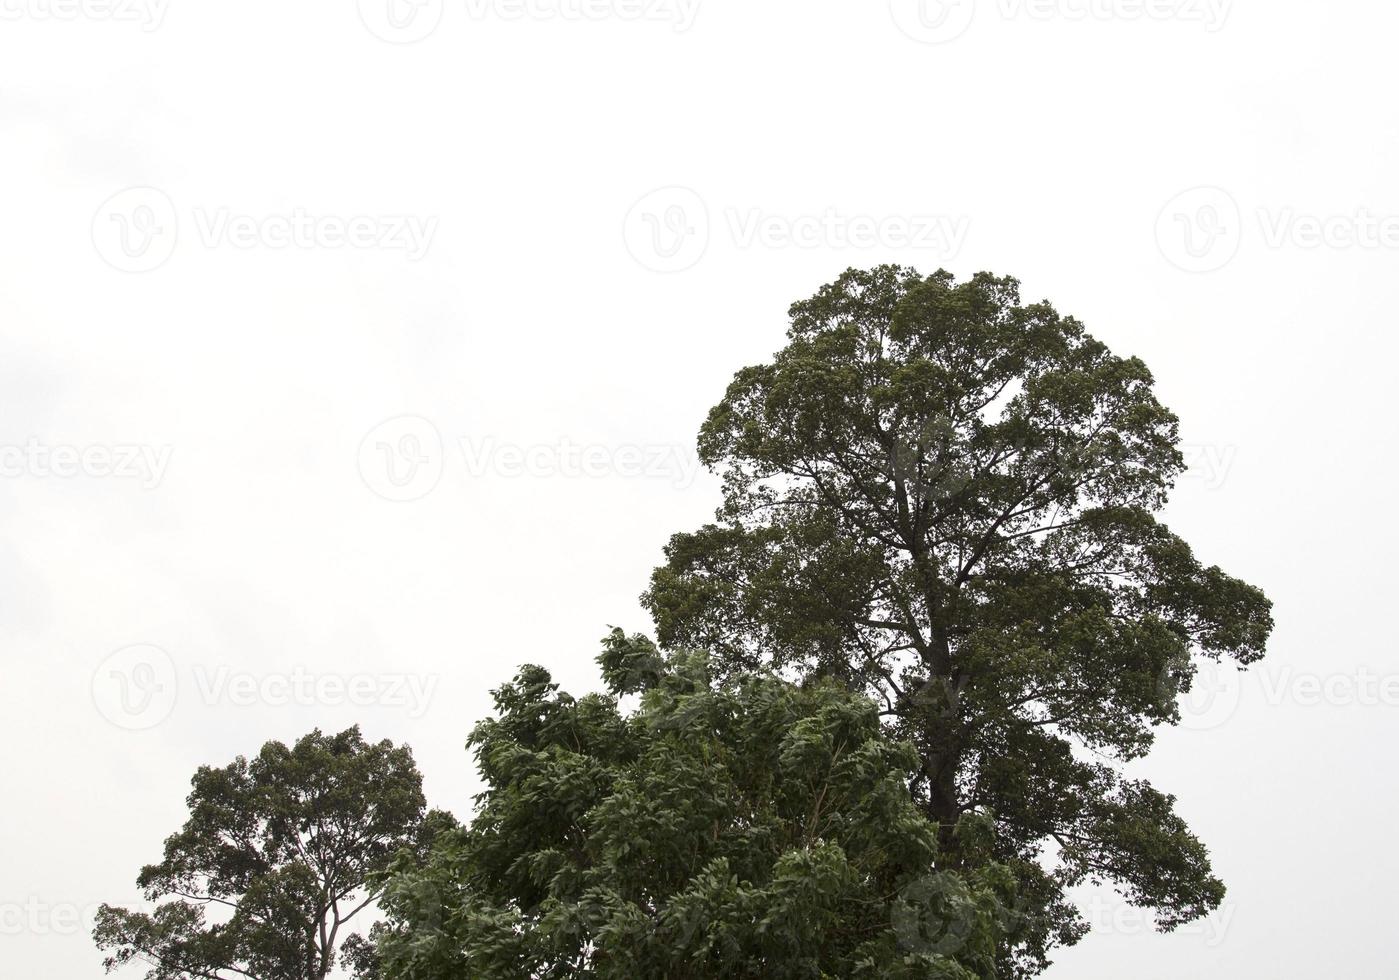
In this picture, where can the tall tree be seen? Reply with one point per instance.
(282, 850)
(948, 498)
(754, 829)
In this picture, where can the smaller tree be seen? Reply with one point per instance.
(753, 828)
(283, 851)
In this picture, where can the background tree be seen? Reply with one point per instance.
(282, 850)
(947, 498)
(755, 829)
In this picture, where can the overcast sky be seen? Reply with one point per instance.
(352, 358)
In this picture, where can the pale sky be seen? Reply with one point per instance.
(352, 358)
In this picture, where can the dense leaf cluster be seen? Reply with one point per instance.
(752, 829)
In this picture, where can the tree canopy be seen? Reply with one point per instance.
(283, 850)
(883, 732)
(948, 498)
(754, 828)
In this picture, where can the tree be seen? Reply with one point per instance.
(947, 498)
(754, 829)
(283, 849)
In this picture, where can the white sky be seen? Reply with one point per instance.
(1055, 141)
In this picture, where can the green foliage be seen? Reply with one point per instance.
(281, 849)
(751, 829)
(947, 499)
